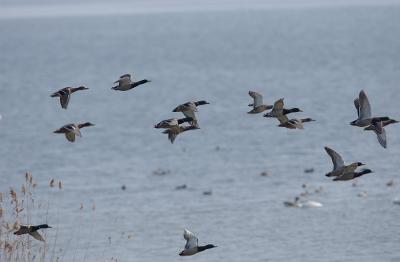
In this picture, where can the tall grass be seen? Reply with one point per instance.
(16, 208)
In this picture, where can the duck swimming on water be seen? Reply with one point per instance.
(72, 130)
(192, 244)
(31, 230)
(65, 94)
(125, 83)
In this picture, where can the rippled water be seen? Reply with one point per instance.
(317, 59)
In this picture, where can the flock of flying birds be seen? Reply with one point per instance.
(175, 126)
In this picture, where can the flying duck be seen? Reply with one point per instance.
(65, 94)
(293, 123)
(192, 244)
(338, 164)
(278, 110)
(172, 122)
(258, 105)
(125, 83)
(189, 108)
(72, 130)
(31, 230)
(364, 112)
(352, 175)
(378, 128)
(173, 132)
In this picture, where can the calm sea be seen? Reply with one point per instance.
(318, 59)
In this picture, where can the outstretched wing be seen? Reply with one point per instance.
(36, 235)
(258, 99)
(278, 105)
(336, 158)
(64, 100)
(283, 119)
(191, 239)
(380, 134)
(365, 108)
(357, 105)
(191, 114)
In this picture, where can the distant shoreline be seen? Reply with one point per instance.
(20, 11)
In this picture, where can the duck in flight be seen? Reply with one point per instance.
(72, 130)
(188, 109)
(258, 106)
(65, 94)
(379, 130)
(125, 83)
(172, 122)
(293, 123)
(363, 108)
(278, 110)
(31, 230)
(339, 168)
(352, 175)
(173, 132)
(192, 244)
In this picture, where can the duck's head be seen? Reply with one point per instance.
(86, 124)
(295, 110)
(82, 88)
(366, 171)
(44, 226)
(146, 81)
(360, 164)
(353, 123)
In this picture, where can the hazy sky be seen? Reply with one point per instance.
(48, 8)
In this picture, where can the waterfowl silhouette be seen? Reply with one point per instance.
(189, 108)
(125, 83)
(192, 244)
(363, 108)
(172, 122)
(31, 230)
(338, 164)
(65, 94)
(173, 132)
(379, 130)
(72, 130)
(258, 106)
(352, 175)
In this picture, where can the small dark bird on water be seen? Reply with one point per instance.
(31, 230)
